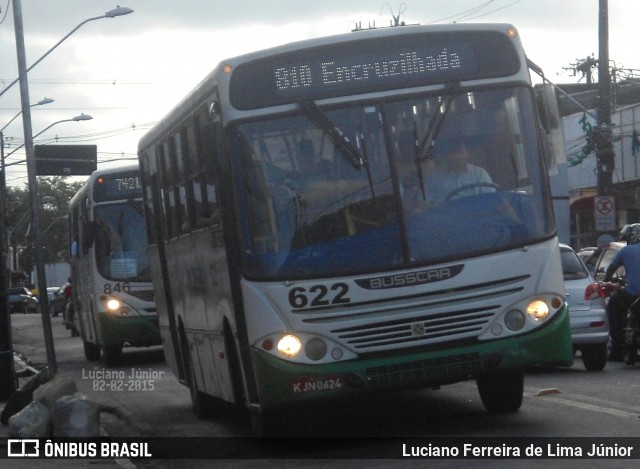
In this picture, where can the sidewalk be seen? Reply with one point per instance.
(26, 367)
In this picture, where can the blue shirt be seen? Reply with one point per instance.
(629, 257)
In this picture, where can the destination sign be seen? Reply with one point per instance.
(117, 186)
(382, 63)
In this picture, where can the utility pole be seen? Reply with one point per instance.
(7, 369)
(33, 188)
(604, 146)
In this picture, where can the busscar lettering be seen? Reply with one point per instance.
(410, 278)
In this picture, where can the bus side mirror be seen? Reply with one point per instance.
(551, 122)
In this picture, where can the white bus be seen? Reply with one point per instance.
(110, 273)
(303, 245)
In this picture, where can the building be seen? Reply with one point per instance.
(586, 215)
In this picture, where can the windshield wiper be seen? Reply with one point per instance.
(428, 141)
(342, 143)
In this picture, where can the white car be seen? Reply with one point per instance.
(588, 316)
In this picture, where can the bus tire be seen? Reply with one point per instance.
(501, 392)
(204, 406)
(91, 351)
(112, 354)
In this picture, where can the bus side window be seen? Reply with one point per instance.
(204, 180)
(74, 234)
(186, 183)
(85, 229)
(168, 195)
(147, 195)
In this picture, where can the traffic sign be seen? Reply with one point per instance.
(605, 213)
(65, 160)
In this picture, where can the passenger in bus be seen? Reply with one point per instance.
(454, 177)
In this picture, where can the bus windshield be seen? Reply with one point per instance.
(121, 242)
(390, 184)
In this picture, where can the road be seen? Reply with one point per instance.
(561, 402)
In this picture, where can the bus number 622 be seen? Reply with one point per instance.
(319, 295)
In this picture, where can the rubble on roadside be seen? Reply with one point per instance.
(44, 408)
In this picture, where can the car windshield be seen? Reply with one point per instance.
(572, 266)
(121, 242)
(389, 184)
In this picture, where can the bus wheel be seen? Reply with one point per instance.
(112, 354)
(91, 351)
(204, 406)
(501, 392)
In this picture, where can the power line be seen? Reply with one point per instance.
(469, 11)
(493, 11)
(466, 14)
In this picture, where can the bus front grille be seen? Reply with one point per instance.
(144, 295)
(417, 330)
(424, 370)
(417, 320)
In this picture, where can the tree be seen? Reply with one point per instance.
(54, 194)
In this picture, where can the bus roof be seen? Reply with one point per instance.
(203, 92)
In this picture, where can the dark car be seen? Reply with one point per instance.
(600, 259)
(58, 301)
(21, 300)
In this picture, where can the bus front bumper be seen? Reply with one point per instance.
(134, 331)
(280, 382)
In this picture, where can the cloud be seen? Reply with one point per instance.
(131, 70)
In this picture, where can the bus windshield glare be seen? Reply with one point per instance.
(121, 242)
(383, 186)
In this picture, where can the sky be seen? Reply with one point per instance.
(128, 72)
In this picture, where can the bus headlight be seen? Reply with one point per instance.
(315, 349)
(289, 346)
(304, 347)
(538, 310)
(115, 307)
(524, 316)
(514, 320)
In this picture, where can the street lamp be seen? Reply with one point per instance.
(119, 11)
(78, 118)
(39, 103)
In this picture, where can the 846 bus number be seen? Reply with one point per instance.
(319, 295)
(118, 287)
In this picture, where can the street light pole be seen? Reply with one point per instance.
(119, 11)
(33, 188)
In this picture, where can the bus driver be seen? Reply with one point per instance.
(458, 177)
